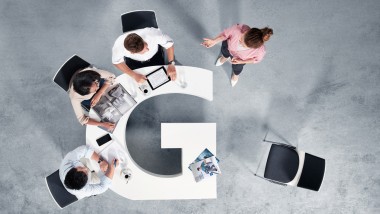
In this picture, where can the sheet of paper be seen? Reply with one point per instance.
(112, 151)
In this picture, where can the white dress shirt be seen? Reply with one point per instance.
(152, 36)
(71, 160)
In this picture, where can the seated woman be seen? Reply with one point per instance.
(87, 86)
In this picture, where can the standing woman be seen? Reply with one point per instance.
(241, 45)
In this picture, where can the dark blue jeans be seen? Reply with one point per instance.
(236, 68)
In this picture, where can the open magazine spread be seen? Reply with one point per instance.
(205, 168)
(205, 165)
(114, 104)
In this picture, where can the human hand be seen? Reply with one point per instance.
(208, 43)
(114, 163)
(109, 126)
(103, 166)
(237, 61)
(95, 99)
(172, 72)
(139, 78)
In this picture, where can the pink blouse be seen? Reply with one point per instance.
(232, 35)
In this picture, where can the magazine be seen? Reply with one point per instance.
(205, 154)
(114, 104)
(205, 168)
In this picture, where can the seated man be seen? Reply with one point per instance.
(74, 174)
(140, 48)
(86, 88)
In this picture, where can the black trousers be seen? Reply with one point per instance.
(236, 68)
(157, 59)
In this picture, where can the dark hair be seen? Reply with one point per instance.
(83, 81)
(75, 179)
(255, 37)
(134, 43)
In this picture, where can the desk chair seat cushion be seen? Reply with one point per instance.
(58, 191)
(312, 173)
(282, 164)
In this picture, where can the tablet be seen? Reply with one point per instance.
(158, 78)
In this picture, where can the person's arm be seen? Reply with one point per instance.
(165, 41)
(240, 61)
(96, 189)
(125, 69)
(103, 165)
(86, 120)
(208, 43)
(171, 68)
(111, 168)
(95, 99)
(107, 125)
(109, 80)
(118, 53)
(105, 181)
(170, 53)
(96, 157)
(226, 34)
(256, 59)
(72, 159)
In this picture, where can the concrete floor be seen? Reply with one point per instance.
(318, 86)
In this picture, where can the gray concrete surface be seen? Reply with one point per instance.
(318, 87)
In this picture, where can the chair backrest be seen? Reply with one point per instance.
(60, 195)
(312, 173)
(67, 70)
(138, 20)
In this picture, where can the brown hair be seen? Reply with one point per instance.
(255, 37)
(134, 43)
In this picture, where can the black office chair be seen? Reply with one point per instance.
(60, 195)
(141, 19)
(67, 70)
(65, 73)
(138, 20)
(286, 165)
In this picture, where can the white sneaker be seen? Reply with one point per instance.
(219, 61)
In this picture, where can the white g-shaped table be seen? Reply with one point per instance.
(192, 138)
